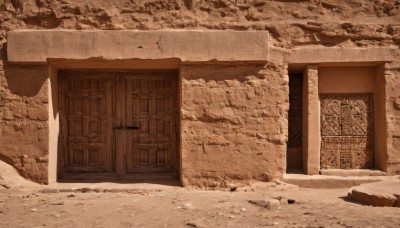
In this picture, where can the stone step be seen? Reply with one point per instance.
(329, 181)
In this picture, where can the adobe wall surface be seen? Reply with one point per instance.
(292, 25)
(234, 123)
(23, 119)
(346, 79)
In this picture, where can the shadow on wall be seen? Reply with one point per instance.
(6, 159)
(241, 73)
(23, 118)
(24, 81)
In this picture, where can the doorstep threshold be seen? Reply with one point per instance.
(330, 181)
(110, 182)
(352, 172)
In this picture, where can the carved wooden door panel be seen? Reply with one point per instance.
(150, 122)
(347, 131)
(86, 121)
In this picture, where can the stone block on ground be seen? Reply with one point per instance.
(381, 194)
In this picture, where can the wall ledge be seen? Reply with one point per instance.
(313, 55)
(38, 46)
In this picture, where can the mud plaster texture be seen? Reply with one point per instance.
(234, 123)
(23, 120)
(217, 127)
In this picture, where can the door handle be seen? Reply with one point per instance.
(127, 128)
(133, 128)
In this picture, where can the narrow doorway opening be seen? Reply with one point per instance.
(294, 155)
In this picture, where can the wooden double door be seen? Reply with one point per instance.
(118, 122)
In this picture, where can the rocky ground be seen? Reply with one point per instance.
(26, 204)
(165, 206)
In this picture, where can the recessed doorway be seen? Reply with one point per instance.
(294, 156)
(118, 123)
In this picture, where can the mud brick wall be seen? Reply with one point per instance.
(234, 123)
(214, 99)
(23, 120)
(392, 79)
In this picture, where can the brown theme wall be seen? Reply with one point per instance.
(234, 123)
(214, 134)
(23, 120)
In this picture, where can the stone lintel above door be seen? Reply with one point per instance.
(37, 47)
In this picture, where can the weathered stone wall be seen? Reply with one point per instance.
(392, 79)
(291, 23)
(23, 119)
(211, 131)
(234, 123)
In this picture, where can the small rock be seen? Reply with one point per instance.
(282, 200)
(187, 206)
(397, 202)
(196, 223)
(299, 14)
(49, 190)
(270, 204)
(243, 209)
(71, 195)
(58, 203)
(34, 209)
(86, 190)
(397, 103)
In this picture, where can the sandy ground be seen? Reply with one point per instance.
(162, 206)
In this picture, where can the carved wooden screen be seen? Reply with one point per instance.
(347, 131)
(86, 121)
(151, 109)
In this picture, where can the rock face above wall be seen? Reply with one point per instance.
(291, 23)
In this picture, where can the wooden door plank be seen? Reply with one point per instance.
(87, 101)
(110, 88)
(154, 106)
